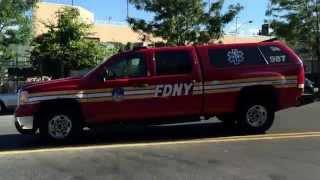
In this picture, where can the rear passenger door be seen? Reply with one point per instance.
(177, 79)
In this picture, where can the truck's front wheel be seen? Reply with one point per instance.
(60, 126)
(256, 116)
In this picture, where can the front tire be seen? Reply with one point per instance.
(60, 126)
(256, 116)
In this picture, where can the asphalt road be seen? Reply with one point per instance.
(290, 150)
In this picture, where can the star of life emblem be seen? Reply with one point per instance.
(235, 56)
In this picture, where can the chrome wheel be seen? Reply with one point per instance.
(257, 116)
(59, 126)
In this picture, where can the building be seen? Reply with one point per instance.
(110, 32)
(104, 32)
(46, 13)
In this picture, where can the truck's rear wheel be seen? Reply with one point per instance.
(60, 126)
(256, 116)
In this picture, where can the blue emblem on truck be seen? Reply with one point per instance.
(235, 56)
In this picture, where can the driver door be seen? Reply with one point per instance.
(124, 92)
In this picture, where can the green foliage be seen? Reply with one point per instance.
(66, 46)
(297, 21)
(15, 25)
(184, 21)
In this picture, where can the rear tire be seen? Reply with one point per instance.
(60, 126)
(256, 116)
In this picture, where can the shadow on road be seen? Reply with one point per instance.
(123, 134)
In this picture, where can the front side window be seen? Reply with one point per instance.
(127, 67)
(173, 62)
(235, 57)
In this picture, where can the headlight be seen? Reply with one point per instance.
(23, 97)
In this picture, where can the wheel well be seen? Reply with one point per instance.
(47, 107)
(265, 93)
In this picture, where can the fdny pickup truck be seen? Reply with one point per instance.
(242, 84)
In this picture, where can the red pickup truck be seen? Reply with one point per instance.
(243, 84)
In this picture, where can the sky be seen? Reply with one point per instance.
(116, 11)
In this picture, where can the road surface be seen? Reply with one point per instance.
(290, 150)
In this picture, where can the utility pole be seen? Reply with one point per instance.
(72, 2)
(127, 9)
(318, 33)
(237, 18)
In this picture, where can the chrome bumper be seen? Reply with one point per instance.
(25, 123)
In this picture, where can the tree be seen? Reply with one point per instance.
(66, 46)
(15, 25)
(184, 21)
(297, 21)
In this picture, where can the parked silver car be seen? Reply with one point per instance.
(8, 101)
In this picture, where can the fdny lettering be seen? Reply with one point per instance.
(179, 89)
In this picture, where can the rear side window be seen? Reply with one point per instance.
(173, 62)
(274, 55)
(235, 57)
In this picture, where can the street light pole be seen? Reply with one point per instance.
(127, 9)
(318, 31)
(237, 25)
